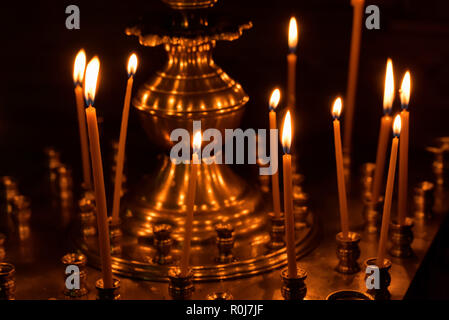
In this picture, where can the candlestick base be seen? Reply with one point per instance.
(401, 237)
(348, 295)
(277, 231)
(180, 287)
(348, 252)
(371, 215)
(7, 281)
(225, 243)
(78, 260)
(424, 200)
(163, 243)
(115, 236)
(221, 295)
(294, 288)
(381, 292)
(108, 293)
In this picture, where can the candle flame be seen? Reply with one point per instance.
(405, 90)
(197, 141)
(79, 67)
(397, 125)
(287, 133)
(90, 83)
(132, 65)
(275, 98)
(292, 34)
(336, 109)
(389, 87)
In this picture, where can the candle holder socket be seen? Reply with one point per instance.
(382, 292)
(277, 231)
(401, 237)
(163, 244)
(225, 242)
(78, 260)
(180, 287)
(115, 236)
(88, 217)
(7, 281)
(294, 288)
(372, 216)
(348, 295)
(424, 200)
(348, 252)
(108, 293)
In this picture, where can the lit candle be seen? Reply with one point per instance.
(288, 199)
(403, 149)
(274, 101)
(132, 66)
(389, 192)
(78, 76)
(190, 202)
(351, 87)
(97, 166)
(291, 61)
(384, 134)
(336, 111)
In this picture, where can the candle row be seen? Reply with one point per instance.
(90, 136)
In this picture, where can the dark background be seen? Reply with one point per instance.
(37, 106)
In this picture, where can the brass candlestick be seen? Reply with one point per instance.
(382, 292)
(348, 252)
(225, 243)
(163, 243)
(108, 293)
(424, 200)
(372, 216)
(180, 287)
(88, 217)
(221, 295)
(277, 231)
(78, 260)
(294, 288)
(115, 236)
(401, 237)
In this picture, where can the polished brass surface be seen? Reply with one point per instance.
(220, 296)
(180, 287)
(115, 236)
(80, 261)
(7, 281)
(348, 252)
(371, 215)
(277, 232)
(163, 243)
(382, 293)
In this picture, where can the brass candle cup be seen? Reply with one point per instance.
(424, 200)
(225, 242)
(115, 236)
(401, 237)
(79, 260)
(163, 243)
(382, 292)
(180, 287)
(294, 288)
(348, 295)
(108, 293)
(277, 231)
(7, 281)
(372, 215)
(348, 252)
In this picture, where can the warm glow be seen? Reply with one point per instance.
(132, 65)
(389, 87)
(405, 90)
(79, 67)
(397, 125)
(287, 133)
(197, 141)
(274, 99)
(336, 109)
(90, 83)
(292, 34)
